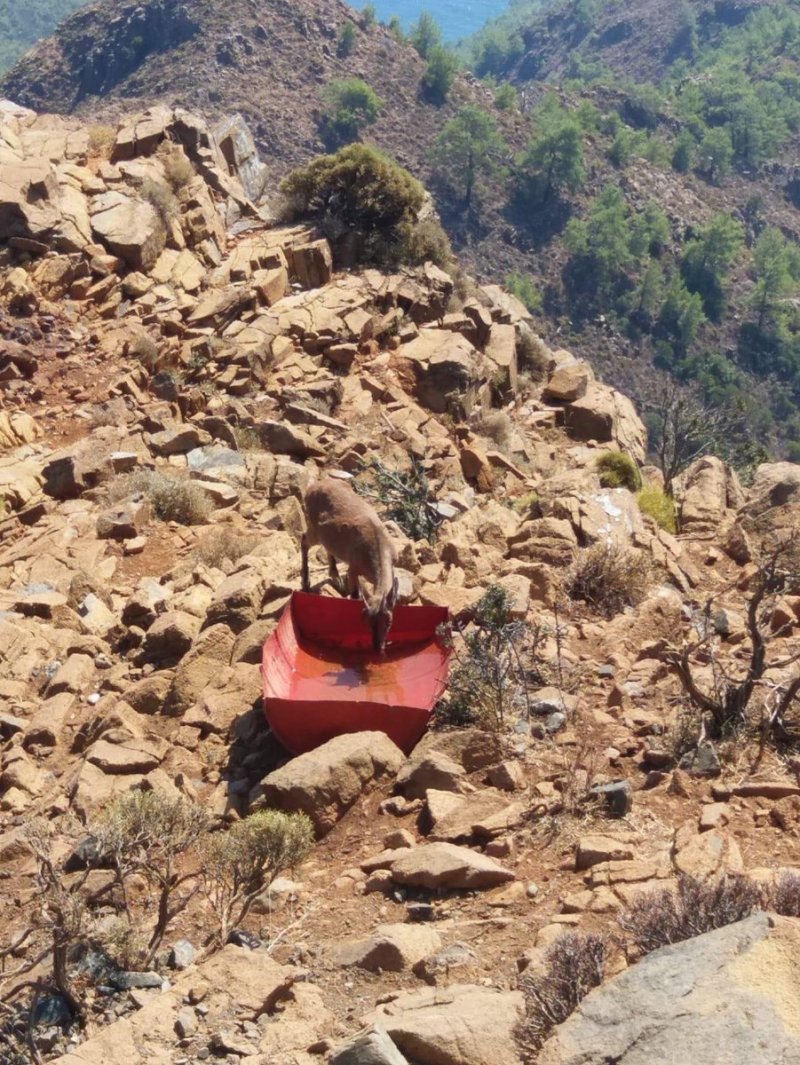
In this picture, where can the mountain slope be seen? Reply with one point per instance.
(22, 25)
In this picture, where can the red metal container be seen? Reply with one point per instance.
(322, 678)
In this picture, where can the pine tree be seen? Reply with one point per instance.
(468, 146)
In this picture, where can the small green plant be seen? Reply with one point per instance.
(618, 470)
(347, 40)
(506, 97)
(439, 74)
(240, 863)
(573, 966)
(609, 578)
(172, 498)
(523, 287)
(490, 683)
(532, 353)
(405, 497)
(655, 502)
(369, 16)
(350, 104)
(425, 242)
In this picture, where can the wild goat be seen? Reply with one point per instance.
(350, 531)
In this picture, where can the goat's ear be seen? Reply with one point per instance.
(391, 595)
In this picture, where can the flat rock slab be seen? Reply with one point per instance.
(459, 1025)
(444, 865)
(730, 997)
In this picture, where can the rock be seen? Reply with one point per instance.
(459, 1025)
(727, 996)
(617, 796)
(391, 948)
(707, 854)
(129, 228)
(368, 1048)
(605, 415)
(767, 789)
(135, 756)
(178, 440)
(74, 675)
(706, 491)
(473, 818)
(703, 761)
(508, 776)
(324, 783)
(444, 865)
(430, 769)
(568, 383)
(182, 954)
(186, 1022)
(312, 263)
(437, 967)
(125, 521)
(171, 635)
(592, 850)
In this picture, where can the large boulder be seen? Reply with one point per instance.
(458, 1025)
(129, 227)
(730, 997)
(324, 783)
(605, 415)
(706, 492)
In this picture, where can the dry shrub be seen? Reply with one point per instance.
(609, 578)
(785, 895)
(533, 356)
(248, 439)
(225, 544)
(498, 427)
(574, 965)
(172, 498)
(101, 140)
(658, 918)
(162, 199)
(145, 349)
(177, 168)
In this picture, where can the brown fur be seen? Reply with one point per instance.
(351, 532)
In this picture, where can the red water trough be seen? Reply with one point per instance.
(322, 678)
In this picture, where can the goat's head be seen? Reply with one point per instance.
(378, 612)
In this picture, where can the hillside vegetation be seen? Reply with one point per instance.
(22, 25)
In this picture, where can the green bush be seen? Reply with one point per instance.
(522, 286)
(439, 75)
(618, 470)
(655, 502)
(347, 40)
(350, 105)
(361, 193)
(368, 16)
(506, 97)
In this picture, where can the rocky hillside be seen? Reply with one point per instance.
(272, 68)
(173, 373)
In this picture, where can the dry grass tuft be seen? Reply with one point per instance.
(609, 578)
(172, 498)
(225, 544)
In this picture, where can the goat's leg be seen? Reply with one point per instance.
(353, 588)
(304, 578)
(333, 574)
